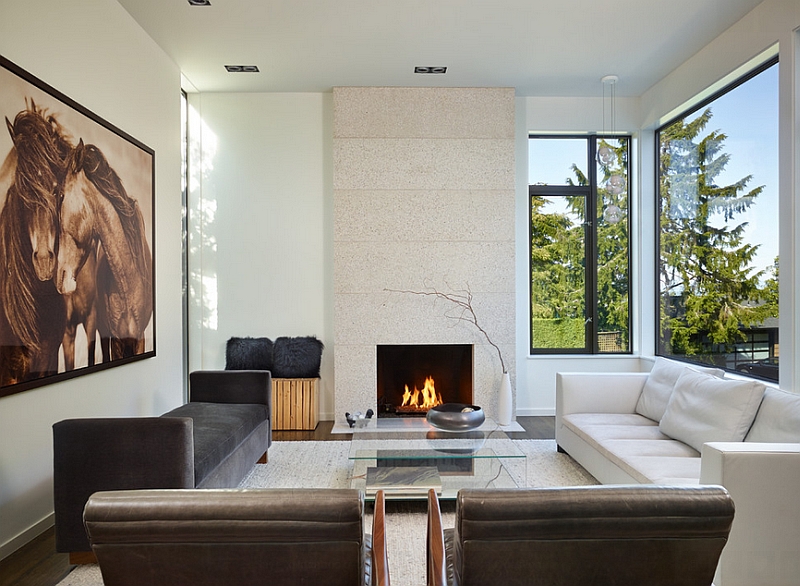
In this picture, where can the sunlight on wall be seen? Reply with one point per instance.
(202, 204)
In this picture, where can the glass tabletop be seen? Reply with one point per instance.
(405, 458)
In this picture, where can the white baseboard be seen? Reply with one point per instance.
(536, 412)
(26, 536)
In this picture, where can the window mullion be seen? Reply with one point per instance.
(591, 249)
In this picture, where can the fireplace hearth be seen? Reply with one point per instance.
(412, 378)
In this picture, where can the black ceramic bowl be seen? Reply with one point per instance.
(456, 417)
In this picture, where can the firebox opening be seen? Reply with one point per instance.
(443, 368)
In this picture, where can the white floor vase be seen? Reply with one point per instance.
(505, 401)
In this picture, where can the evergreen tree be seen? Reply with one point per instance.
(557, 273)
(708, 287)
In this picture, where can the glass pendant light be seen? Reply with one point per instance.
(615, 185)
(612, 214)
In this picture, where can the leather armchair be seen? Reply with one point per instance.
(599, 535)
(243, 537)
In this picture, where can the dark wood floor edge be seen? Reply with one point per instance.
(27, 536)
(35, 563)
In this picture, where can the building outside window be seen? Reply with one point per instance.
(579, 191)
(718, 229)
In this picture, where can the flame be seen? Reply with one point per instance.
(427, 394)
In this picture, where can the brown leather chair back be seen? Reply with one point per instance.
(204, 537)
(598, 535)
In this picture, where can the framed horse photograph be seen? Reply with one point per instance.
(77, 229)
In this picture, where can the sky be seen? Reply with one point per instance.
(748, 115)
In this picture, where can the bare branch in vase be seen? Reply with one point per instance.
(464, 311)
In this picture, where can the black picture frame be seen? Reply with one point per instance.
(77, 238)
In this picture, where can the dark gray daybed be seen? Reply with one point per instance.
(211, 442)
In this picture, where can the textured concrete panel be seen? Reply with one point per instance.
(430, 163)
(451, 215)
(363, 267)
(355, 367)
(423, 112)
(424, 196)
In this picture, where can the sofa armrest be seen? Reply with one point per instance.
(435, 549)
(231, 386)
(112, 454)
(380, 552)
(598, 392)
(764, 480)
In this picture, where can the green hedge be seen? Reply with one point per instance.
(558, 333)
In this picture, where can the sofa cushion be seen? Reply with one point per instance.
(628, 440)
(218, 430)
(778, 418)
(704, 408)
(667, 469)
(659, 384)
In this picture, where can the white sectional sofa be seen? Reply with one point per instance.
(681, 425)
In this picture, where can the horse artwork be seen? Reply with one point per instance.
(32, 313)
(96, 209)
(76, 228)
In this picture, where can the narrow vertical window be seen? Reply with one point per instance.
(580, 248)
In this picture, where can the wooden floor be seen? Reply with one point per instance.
(38, 564)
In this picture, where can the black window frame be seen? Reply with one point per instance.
(703, 103)
(592, 346)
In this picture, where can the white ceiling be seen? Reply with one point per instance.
(539, 47)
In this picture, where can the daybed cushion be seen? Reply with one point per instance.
(704, 408)
(219, 428)
(778, 418)
(659, 384)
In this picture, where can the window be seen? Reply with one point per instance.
(580, 246)
(718, 229)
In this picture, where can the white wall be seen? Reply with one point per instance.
(92, 51)
(261, 125)
(261, 209)
(773, 21)
(565, 116)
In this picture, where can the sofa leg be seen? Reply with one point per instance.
(263, 459)
(80, 558)
(560, 450)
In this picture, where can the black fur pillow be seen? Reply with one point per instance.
(297, 357)
(248, 354)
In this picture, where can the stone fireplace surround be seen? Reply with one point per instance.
(423, 198)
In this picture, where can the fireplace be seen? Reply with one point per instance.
(410, 374)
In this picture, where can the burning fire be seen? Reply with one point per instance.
(421, 400)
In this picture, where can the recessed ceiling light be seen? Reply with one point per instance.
(242, 68)
(430, 69)
(199, 2)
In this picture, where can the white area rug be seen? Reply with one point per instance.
(325, 465)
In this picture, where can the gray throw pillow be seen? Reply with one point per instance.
(659, 384)
(704, 408)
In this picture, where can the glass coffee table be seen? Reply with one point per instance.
(406, 457)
